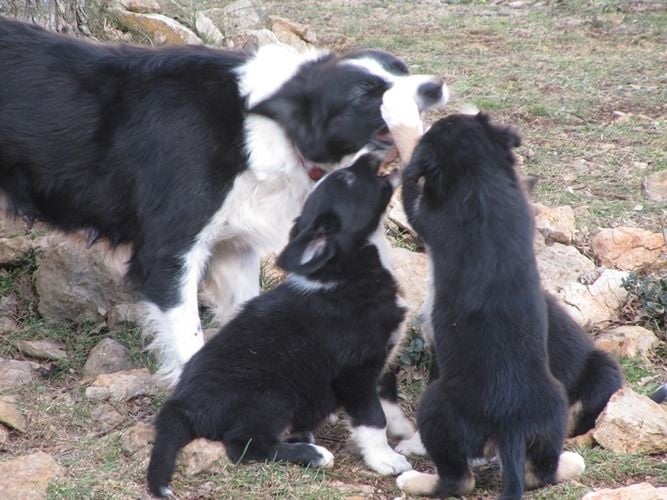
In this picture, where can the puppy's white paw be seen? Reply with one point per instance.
(417, 483)
(398, 425)
(332, 418)
(326, 460)
(399, 109)
(387, 462)
(570, 466)
(412, 446)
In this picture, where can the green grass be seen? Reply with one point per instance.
(639, 376)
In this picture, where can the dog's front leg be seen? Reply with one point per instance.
(358, 396)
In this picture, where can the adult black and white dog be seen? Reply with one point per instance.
(196, 160)
(490, 318)
(298, 352)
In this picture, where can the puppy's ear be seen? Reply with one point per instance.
(310, 248)
(422, 164)
(507, 137)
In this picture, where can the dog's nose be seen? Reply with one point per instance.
(432, 93)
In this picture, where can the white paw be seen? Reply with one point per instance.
(326, 460)
(412, 446)
(387, 462)
(332, 418)
(570, 466)
(399, 108)
(398, 425)
(405, 477)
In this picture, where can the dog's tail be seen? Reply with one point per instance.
(511, 448)
(601, 378)
(660, 396)
(173, 432)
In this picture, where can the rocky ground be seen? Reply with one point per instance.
(77, 396)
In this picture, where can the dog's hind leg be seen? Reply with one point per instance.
(232, 279)
(546, 464)
(173, 432)
(447, 436)
(357, 393)
(398, 425)
(172, 319)
(255, 443)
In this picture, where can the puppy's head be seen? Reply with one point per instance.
(339, 215)
(330, 108)
(457, 147)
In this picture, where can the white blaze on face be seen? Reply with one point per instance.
(408, 84)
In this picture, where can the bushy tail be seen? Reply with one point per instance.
(601, 378)
(660, 396)
(511, 449)
(173, 432)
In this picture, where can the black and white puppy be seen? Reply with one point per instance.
(295, 354)
(463, 197)
(195, 160)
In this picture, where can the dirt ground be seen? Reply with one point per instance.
(583, 81)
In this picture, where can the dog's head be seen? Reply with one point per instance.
(339, 215)
(458, 147)
(330, 108)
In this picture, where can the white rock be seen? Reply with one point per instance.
(597, 302)
(641, 491)
(10, 415)
(14, 373)
(28, 477)
(43, 349)
(162, 29)
(200, 455)
(411, 271)
(628, 247)
(627, 341)
(12, 250)
(556, 224)
(78, 284)
(208, 30)
(108, 356)
(632, 423)
(560, 265)
(121, 386)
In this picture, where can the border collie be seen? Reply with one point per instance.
(196, 159)
(293, 355)
(489, 316)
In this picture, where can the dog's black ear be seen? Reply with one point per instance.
(279, 107)
(310, 248)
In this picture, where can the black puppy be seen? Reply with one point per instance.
(489, 316)
(295, 354)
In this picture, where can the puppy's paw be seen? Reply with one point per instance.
(387, 462)
(570, 465)
(417, 483)
(412, 446)
(326, 460)
(399, 109)
(398, 425)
